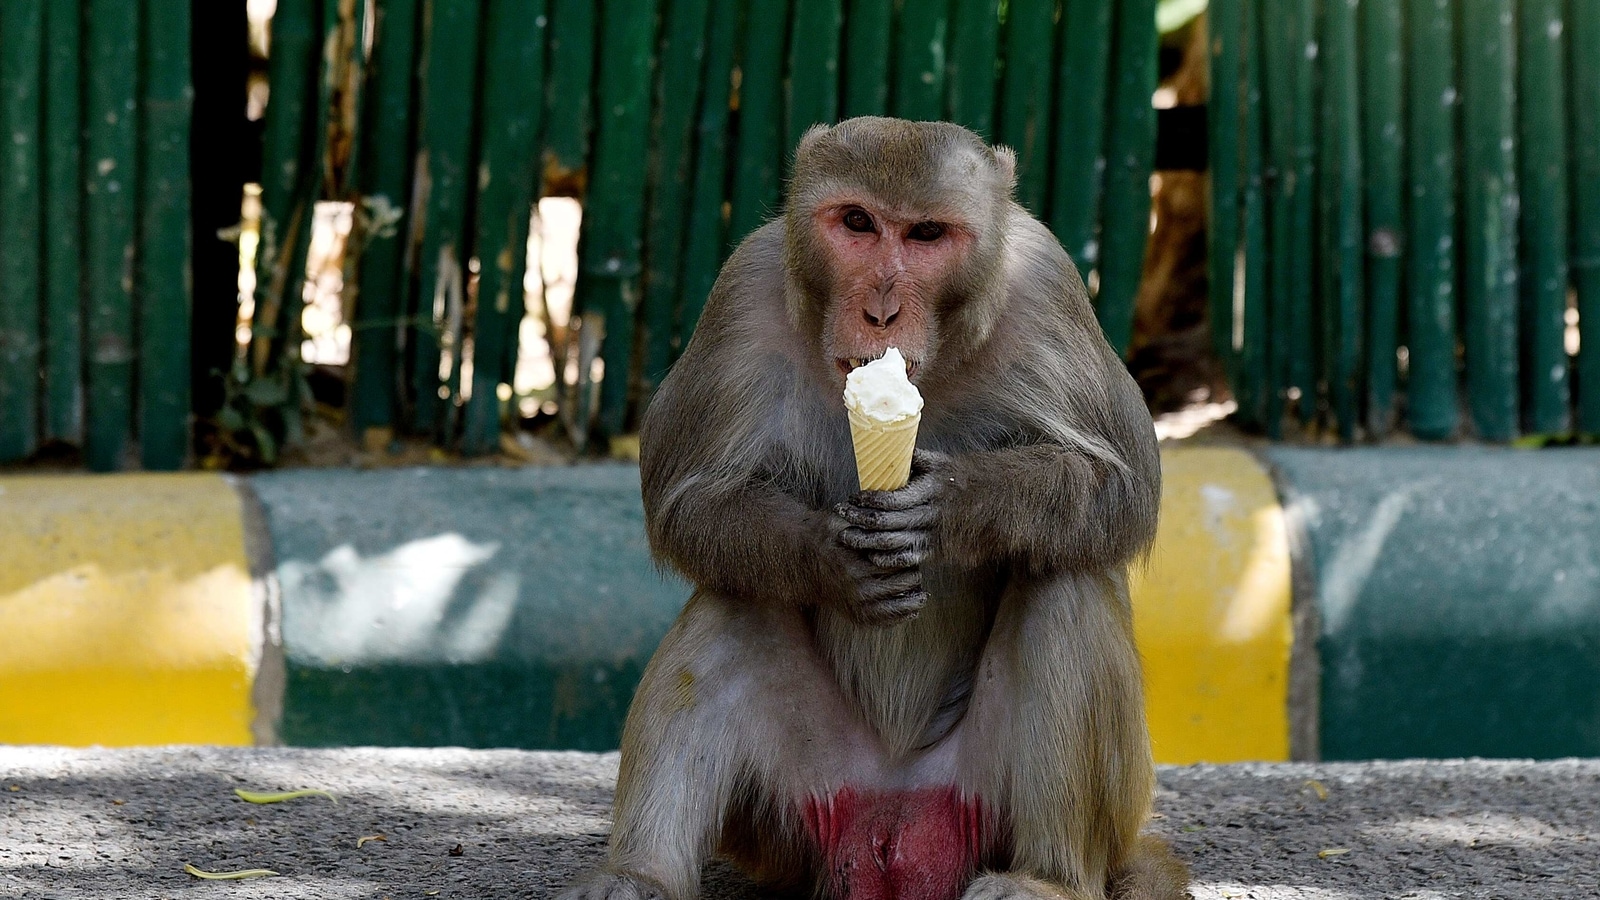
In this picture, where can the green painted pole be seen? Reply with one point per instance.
(761, 152)
(1224, 121)
(290, 172)
(868, 31)
(111, 44)
(1130, 156)
(677, 94)
(1251, 336)
(164, 244)
(384, 174)
(1078, 179)
(1431, 171)
(1025, 95)
(1542, 74)
(1490, 196)
(514, 42)
(21, 215)
(974, 49)
(1299, 37)
(1279, 183)
(1383, 167)
(448, 107)
(919, 69)
(708, 206)
(611, 278)
(1343, 257)
(569, 116)
(813, 83)
(1583, 26)
(63, 222)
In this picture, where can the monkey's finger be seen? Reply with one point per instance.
(914, 518)
(896, 609)
(920, 490)
(862, 539)
(928, 461)
(898, 560)
(881, 586)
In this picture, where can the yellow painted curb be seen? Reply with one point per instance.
(1212, 612)
(125, 611)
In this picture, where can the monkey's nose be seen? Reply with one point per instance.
(883, 316)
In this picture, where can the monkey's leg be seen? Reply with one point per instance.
(735, 714)
(1057, 733)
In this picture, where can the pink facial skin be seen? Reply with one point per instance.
(886, 263)
(921, 844)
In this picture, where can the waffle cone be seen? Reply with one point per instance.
(883, 451)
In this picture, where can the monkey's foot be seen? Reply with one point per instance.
(605, 885)
(1007, 886)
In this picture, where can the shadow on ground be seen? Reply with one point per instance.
(122, 824)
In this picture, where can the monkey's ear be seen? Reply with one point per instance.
(1005, 159)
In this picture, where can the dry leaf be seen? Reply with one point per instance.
(227, 876)
(258, 797)
(1320, 789)
(457, 850)
(1332, 852)
(370, 837)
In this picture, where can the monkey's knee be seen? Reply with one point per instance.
(610, 885)
(1151, 872)
(1015, 886)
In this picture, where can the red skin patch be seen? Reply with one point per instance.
(898, 845)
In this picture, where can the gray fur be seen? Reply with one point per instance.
(1009, 668)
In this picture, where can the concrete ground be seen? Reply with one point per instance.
(453, 823)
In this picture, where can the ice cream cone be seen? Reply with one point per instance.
(883, 450)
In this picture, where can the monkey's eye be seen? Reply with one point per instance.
(926, 231)
(858, 220)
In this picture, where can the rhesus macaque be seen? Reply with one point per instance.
(919, 694)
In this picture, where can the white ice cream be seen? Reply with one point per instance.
(880, 390)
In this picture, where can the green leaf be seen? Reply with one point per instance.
(266, 392)
(279, 797)
(227, 876)
(265, 443)
(230, 419)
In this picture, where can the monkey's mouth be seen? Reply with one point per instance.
(848, 364)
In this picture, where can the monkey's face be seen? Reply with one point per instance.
(892, 228)
(887, 268)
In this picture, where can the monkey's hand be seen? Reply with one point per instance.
(888, 535)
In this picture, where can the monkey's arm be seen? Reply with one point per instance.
(1080, 485)
(1045, 507)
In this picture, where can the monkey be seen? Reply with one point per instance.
(926, 693)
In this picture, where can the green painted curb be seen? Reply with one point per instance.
(474, 607)
(1458, 598)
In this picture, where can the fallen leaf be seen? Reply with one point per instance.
(370, 837)
(1317, 787)
(118, 802)
(430, 893)
(14, 788)
(1192, 828)
(258, 797)
(457, 850)
(1332, 852)
(227, 876)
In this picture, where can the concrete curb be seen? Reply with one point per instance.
(516, 607)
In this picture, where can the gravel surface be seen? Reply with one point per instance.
(490, 824)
